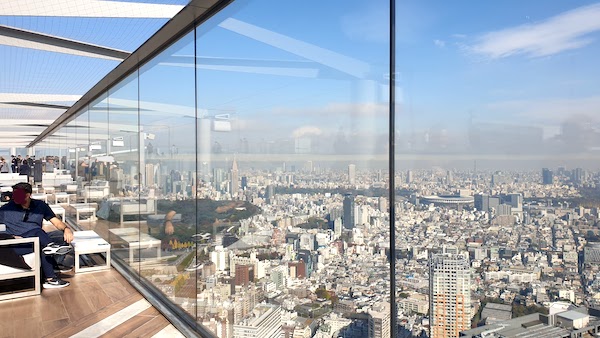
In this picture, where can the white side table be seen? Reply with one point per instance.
(59, 211)
(88, 208)
(40, 196)
(89, 242)
(66, 197)
(137, 241)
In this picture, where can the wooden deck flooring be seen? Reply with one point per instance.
(98, 304)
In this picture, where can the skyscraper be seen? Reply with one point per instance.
(449, 293)
(382, 204)
(516, 201)
(577, 175)
(482, 202)
(547, 177)
(352, 174)
(409, 176)
(235, 182)
(218, 178)
(348, 217)
(269, 193)
(150, 177)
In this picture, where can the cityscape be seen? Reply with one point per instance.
(301, 169)
(473, 249)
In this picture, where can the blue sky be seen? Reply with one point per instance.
(528, 63)
(510, 63)
(531, 62)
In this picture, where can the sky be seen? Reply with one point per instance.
(507, 77)
(524, 63)
(525, 72)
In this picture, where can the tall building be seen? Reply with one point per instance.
(482, 202)
(449, 293)
(297, 269)
(219, 258)
(409, 176)
(379, 321)
(306, 257)
(218, 178)
(348, 217)
(279, 276)
(244, 274)
(577, 175)
(516, 201)
(235, 182)
(352, 174)
(264, 321)
(382, 204)
(337, 227)
(269, 193)
(547, 177)
(497, 178)
(150, 177)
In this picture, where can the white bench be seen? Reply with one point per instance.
(32, 259)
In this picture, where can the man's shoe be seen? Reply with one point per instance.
(63, 269)
(55, 283)
(57, 249)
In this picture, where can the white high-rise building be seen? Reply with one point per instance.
(219, 257)
(352, 173)
(235, 181)
(279, 276)
(337, 227)
(379, 321)
(449, 293)
(263, 322)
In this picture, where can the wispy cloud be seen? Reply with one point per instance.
(439, 43)
(562, 32)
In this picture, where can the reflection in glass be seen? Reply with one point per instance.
(167, 178)
(292, 155)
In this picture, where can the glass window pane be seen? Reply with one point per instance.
(293, 130)
(123, 148)
(167, 181)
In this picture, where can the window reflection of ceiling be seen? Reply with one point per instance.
(54, 51)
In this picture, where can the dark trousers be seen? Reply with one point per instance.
(48, 261)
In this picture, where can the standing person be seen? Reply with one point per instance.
(23, 217)
(24, 168)
(94, 168)
(15, 162)
(4, 167)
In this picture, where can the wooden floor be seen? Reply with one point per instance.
(98, 304)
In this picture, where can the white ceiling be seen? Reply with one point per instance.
(53, 51)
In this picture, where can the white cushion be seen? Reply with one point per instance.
(29, 259)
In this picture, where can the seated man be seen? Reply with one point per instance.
(23, 217)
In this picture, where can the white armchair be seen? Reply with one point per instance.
(96, 190)
(32, 259)
(144, 206)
